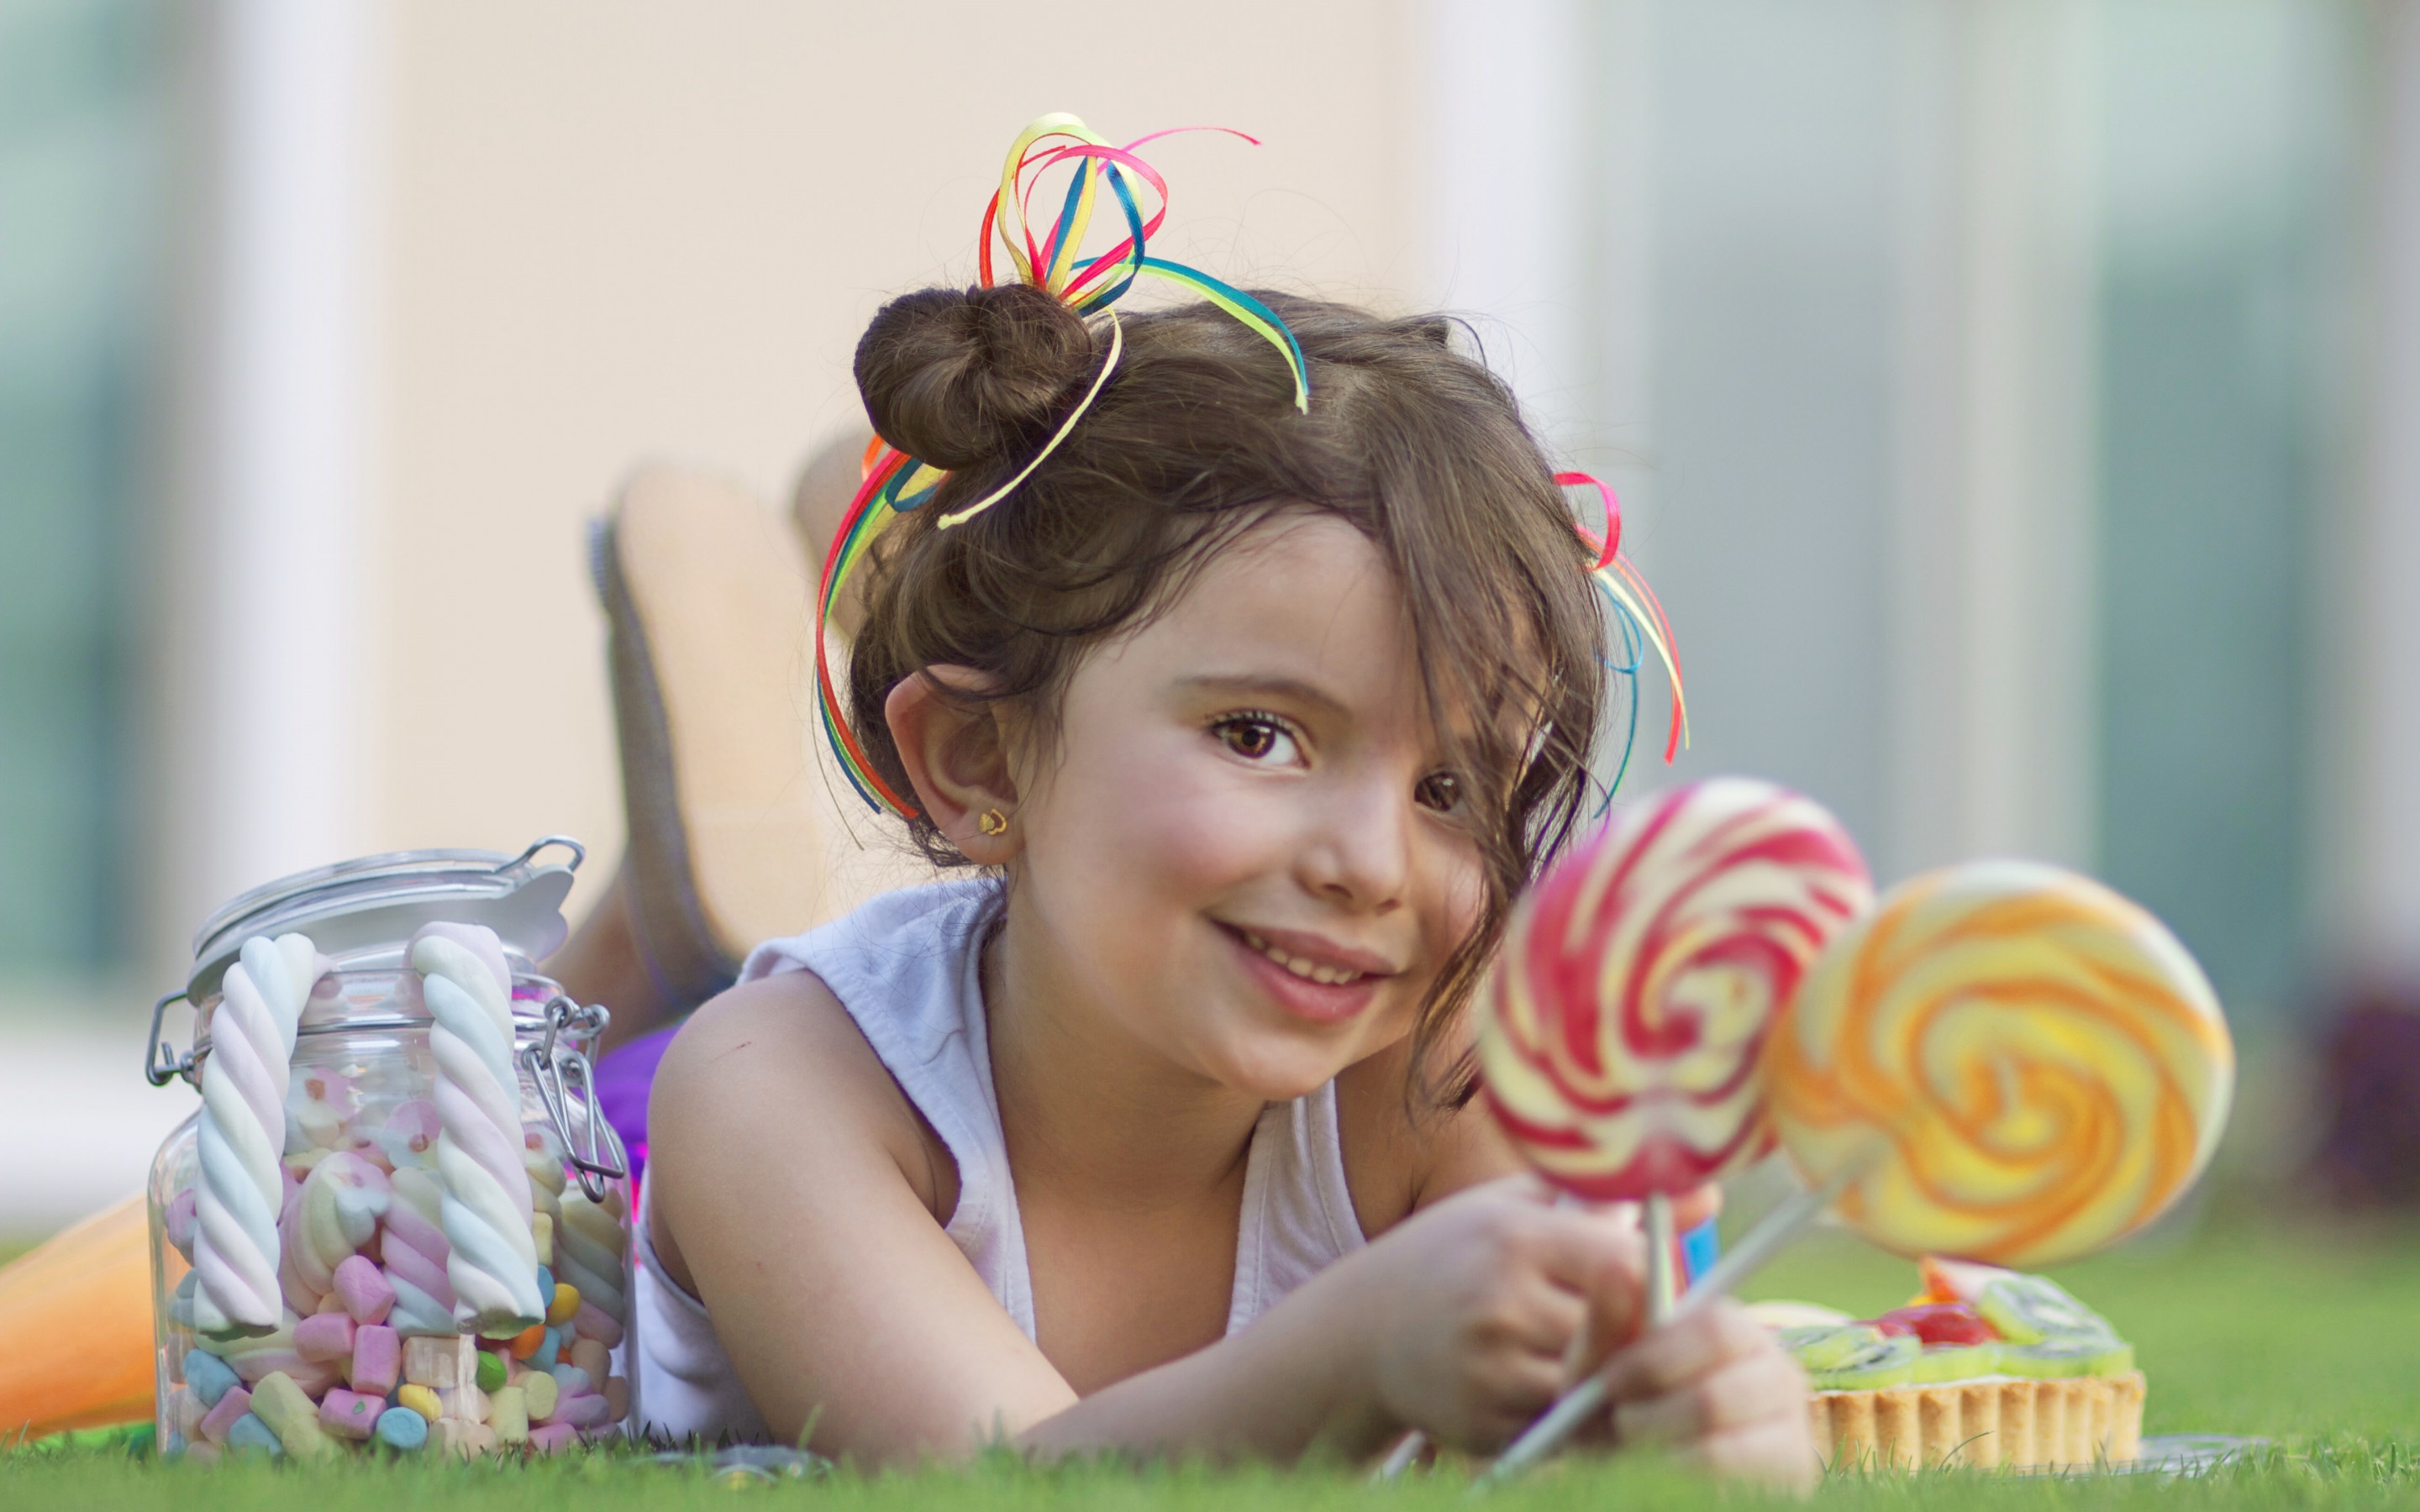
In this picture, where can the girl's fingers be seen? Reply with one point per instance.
(1777, 1453)
(1667, 1357)
(1691, 1209)
(1741, 1394)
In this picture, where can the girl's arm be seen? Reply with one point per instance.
(791, 1183)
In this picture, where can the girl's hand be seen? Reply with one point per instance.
(1474, 1303)
(1717, 1388)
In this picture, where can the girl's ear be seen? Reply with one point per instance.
(955, 750)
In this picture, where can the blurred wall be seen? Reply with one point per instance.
(584, 235)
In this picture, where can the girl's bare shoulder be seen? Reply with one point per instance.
(1402, 1152)
(777, 1065)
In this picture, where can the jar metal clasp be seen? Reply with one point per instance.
(160, 1065)
(561, 1073)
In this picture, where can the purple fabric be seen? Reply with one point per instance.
(623, 1078)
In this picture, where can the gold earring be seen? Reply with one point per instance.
(992, 821)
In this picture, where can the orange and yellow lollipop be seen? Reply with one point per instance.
(2003, 1061)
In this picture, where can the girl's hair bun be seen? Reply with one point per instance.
(957, 377)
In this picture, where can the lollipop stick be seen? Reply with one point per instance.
(1759, 1244)
(1660, 1283)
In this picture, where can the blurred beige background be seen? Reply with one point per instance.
(2010, 399)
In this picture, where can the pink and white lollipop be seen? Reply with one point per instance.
(1619, 1034)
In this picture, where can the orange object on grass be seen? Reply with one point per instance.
(75, 1328)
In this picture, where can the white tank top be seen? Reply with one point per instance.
(908, 968)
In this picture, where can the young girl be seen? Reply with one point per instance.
(1156, 1133)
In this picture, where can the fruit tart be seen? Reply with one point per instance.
(1987, 1369)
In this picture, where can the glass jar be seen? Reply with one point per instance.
(381, 1234)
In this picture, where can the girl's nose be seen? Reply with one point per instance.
(1360, 856)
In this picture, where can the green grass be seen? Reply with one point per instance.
(2259, 1325)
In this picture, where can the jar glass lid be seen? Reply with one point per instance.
(380, 899)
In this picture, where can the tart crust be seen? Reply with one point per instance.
(1998, 1423)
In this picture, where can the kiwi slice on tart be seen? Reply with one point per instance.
(1888, 1361)
(1829, 1346)
(1942, 1363)
(2067, 1358)
(2030, 1309)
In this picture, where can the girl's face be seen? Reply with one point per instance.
(1243, 851)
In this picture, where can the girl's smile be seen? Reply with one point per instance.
(1245, 861)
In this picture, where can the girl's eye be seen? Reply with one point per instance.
(1440, 791)
(1258, 738)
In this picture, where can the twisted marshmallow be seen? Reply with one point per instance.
(591, 1245)
(1621, 1029)
(332, 1220)
(485, 1211)
(413, 1251)
(2026, 1066)
(242, 1131)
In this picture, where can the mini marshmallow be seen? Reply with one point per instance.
(542, 1235)
(348, 1414)
(468, 1403)
(249, 1432)
(541, 1392)
(549, 1349)
(617, 1398)
(508, 1414)
(463, 1439)
(420, 1400)
(401, 1428)
(565, 1304)
(573, 1380)
(232, 1404)
(593, 1357)
(363, 1290)
(324, 1338)
(552, 1438)
(290, 1414)
(209, 1377)
(378, 1359)
(586, 1411)
(439, 1362)
(589, 1322)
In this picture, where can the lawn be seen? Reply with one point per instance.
(2256, 1325)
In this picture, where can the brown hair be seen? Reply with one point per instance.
(1192, 441)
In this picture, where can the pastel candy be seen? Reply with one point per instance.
(493, 1370)
(208, 1376)
(290, 1413)
(401, 1428)
(550, 1348)
(241, 1132)
(591, 1356)
(420, 1400)
(441, 1364)
(542, 1237)
(589, 1323)
(617, 1398)
(363, 1289)
(325, 1338)
(573, 1380)
(337, 1214)
(541, 1392)
(552, 1438)
(408, 1137)
(378, 1359)
(232, 1404)
(586, 1411)
(185, 1410)
(565, 1304)
(250, 1432)
(463, 1439)
(508, 1414)
(179, 1217)
(591, 1246)
(350, 1415)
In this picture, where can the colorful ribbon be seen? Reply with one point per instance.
(1050, 258)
